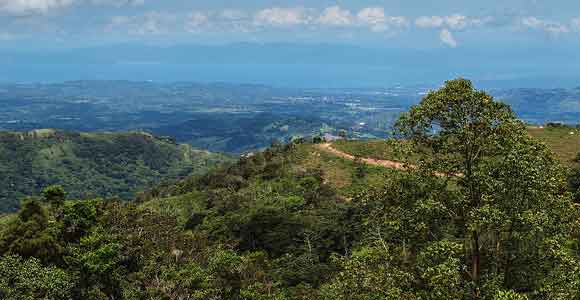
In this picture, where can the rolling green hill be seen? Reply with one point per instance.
(92, 164)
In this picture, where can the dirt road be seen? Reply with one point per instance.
(371, 161)
(391, 164)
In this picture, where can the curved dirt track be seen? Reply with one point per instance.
(371, 161)
(391, 164)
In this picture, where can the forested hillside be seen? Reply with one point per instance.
(91, 165)
(482, 210)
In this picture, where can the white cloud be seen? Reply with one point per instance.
(340, 19)
(33, 7)
(550, 27)
(455, 22)
(447, 38)
(117, 3)
(277, 16)
(532, 22)
(575, 24)
(27, 7)
(374, 17)
(556, 29)
(429, 22)
(378, 21)
(150, 23)
(233, 20)
(336, 16)
(149, 27)
(233, 14)
(196, 21)
(398, 21)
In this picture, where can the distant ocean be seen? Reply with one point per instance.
(280, 75)
(275, 75)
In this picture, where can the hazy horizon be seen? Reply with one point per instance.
(524, 43)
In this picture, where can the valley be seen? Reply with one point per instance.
(237, 118)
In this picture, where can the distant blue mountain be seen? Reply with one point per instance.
(296, 65)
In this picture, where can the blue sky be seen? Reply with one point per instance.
(356, 42)
(396, 23)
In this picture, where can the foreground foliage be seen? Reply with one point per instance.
(501, 225)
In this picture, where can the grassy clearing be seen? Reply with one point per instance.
(336, 171)
(564, 144)
(347, 176)
(377, 149)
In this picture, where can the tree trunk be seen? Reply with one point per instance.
(476, 265)
(508, 260)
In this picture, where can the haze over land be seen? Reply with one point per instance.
(238, 118)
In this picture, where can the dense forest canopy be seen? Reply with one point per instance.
(92, 164)
(486, 213)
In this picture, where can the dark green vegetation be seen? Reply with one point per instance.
(294, 222)
(238, 118)
(574, 179)
(91, 165)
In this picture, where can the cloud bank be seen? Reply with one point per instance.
(447, 38)
(28, 7)
(332, 21)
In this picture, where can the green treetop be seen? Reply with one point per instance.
(510, 201)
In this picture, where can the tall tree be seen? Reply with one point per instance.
(504, 178)
(54, 195)
(32, 235)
